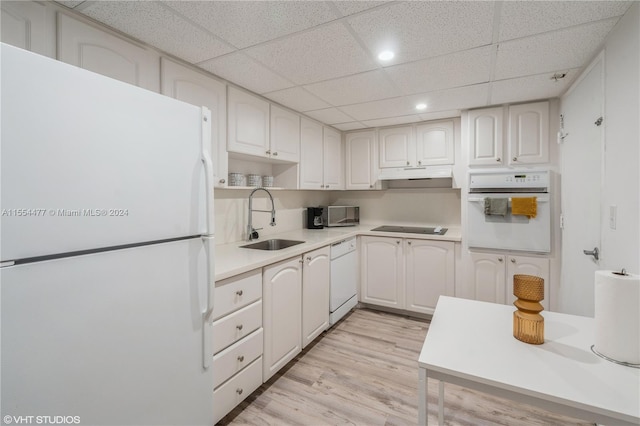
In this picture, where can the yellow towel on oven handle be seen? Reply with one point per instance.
(527, 206)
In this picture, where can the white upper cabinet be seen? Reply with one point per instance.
(29, 26)
(95, 50)
(311, 154)
(428, 144)
(190, 86)
(248, 123)
(529, 133)
(361, 162)
(333, 167)
(396, 147)
(321, 160)
(285, 135)
(485, 137)
(435, 143)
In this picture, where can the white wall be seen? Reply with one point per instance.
(621, 247)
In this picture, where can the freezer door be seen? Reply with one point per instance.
(90, 162)
(114, 338)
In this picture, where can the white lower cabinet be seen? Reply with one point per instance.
(236, 389)
(430, 270)
(382, 271)
(316, 276)
(408, 274)
(237, 340)
(491, 277)
(282, 315)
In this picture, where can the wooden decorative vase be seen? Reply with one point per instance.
(528, 324)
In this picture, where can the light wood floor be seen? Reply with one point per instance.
(364, 371)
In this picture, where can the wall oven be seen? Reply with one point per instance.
(496, 218)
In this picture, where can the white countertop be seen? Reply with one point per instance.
(231, 259)
(474, 341)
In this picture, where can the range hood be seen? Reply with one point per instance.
(424, 172)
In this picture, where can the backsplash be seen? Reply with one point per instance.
(231, 209)
(418, 207)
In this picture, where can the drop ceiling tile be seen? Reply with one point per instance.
(422, 29)
(349, 126)
(558, 50)
(351, 7)
(531, 87)
(443, 100)
(324, 53)
(392, 121)
(524, 18)
(245, 72)
(363, 87)
(329, 115)
(457, 69)
(246, 23)
(156, 25)
(297, 99)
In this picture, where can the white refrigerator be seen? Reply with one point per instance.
(107, 250)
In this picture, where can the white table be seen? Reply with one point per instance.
(471, 343)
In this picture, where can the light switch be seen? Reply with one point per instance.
(613, 212)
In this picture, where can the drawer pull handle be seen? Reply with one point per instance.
(239, 327)
(239, 292)
(241, 358)
(239, 391)
(513, 260)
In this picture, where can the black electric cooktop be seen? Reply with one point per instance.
(412, 230)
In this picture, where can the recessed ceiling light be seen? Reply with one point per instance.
(386, 55)
(421, 106)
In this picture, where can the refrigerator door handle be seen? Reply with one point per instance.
(208, 168)
(207, 346)
(207, 239)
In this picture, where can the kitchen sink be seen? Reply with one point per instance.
(273, 244)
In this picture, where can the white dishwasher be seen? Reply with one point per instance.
(344, 279)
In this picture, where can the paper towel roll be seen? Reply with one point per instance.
(617, 316)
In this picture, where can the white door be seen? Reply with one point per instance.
(434, 143)
(485, 137)
(581, 183)
(198, 89)
(311, 155)
(529, 133)
(248, 123)
(95, 50)
(333, 159)
(397, 147)
(115, 338)
(360, 160)
(382, 272)
(285, 135)
(429, 274)
(30, 26)
(316, 274)
(488, 277)
(282, 314)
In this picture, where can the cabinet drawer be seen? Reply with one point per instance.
(236, 357)
(233, 327)
(234, 293)
(233, 392)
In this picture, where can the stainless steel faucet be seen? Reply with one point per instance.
(252, 233)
